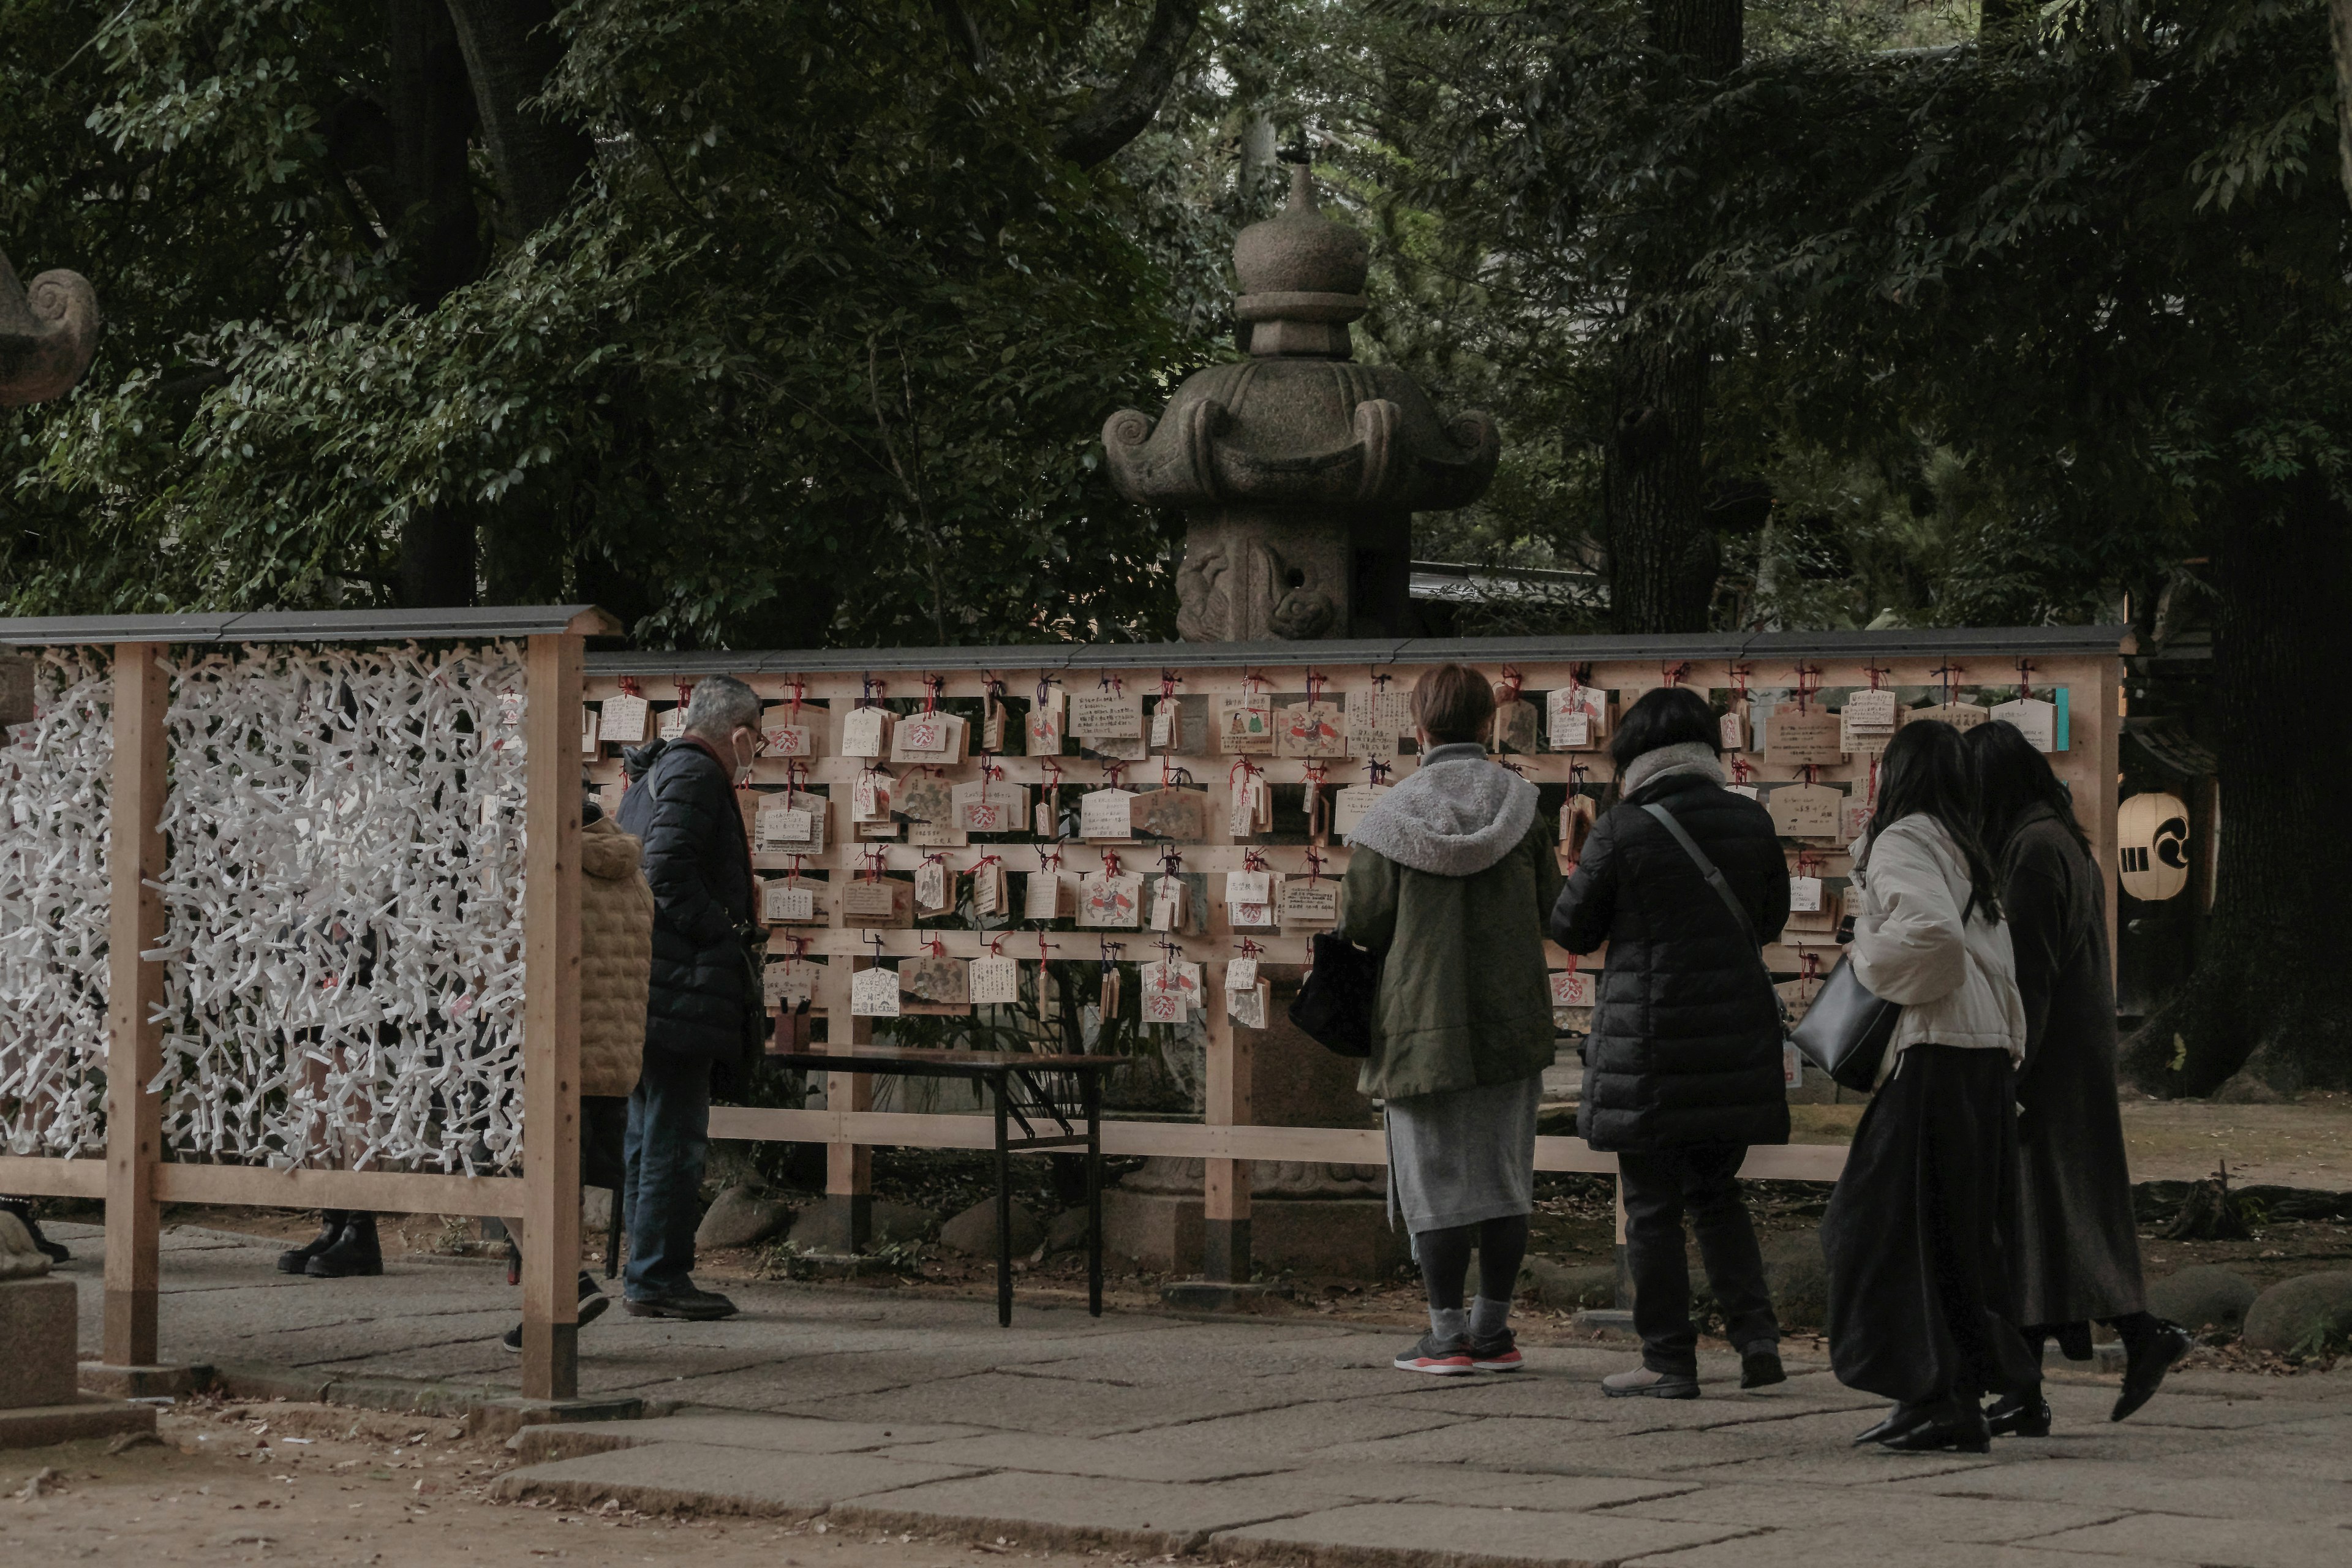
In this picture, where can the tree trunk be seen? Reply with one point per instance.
(431, 110)
(1662, 555)
(436, 557)
(511, 49)
(2270, 993)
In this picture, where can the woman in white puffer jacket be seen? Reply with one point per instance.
(1921, 1232)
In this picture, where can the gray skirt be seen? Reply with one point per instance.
(1463, 1155)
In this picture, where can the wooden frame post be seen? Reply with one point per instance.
(1226, 1184)
(134, 994)
(849, 1167)
(551, 1038)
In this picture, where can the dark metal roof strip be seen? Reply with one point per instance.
(310, 626)
(1956, 642)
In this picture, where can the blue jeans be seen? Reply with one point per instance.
(669, 1134)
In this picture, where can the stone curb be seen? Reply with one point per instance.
(486, 1411)
(521, 1486)
(1225, 1549)
(1220, 1545)
(982, 1530)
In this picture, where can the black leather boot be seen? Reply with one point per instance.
(354, 1252)
(294, 1260)
(2151, 1345)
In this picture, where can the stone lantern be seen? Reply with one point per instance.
(48, 334)
(46, 339)
(1297, 469)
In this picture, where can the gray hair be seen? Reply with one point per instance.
(719, 706)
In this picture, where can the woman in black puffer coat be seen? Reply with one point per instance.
(1682, 1070)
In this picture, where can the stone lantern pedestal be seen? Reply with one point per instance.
(1298, 472)
(40, 1402)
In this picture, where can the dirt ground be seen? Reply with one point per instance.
(314, 1484)
(2305, 1143)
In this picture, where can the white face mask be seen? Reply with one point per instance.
(747, 747)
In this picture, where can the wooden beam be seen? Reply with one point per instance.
(1200, 1141)
(35, 1177)
(134, 1050)
(381, 1192)
(551, 1030)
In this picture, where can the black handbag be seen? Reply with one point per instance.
(1846, 1030)
(1334, 1005)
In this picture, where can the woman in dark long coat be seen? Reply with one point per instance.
(1920, 1229)
(2078, 1254)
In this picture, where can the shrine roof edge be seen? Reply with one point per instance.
(1959, 642)
(311, 626)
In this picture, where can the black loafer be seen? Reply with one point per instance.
(1761, 1368)
(1959, 1427)
(2015, 1417)
(2146, 1365)
(1903, 1419)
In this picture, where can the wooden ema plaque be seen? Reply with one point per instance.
(1798, 738)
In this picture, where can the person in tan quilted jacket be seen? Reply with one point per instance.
(616, 952)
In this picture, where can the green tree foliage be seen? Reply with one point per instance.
(818, 351)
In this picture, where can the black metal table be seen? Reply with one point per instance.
(1022, 1085)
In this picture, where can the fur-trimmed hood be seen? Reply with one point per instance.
(1454, 816)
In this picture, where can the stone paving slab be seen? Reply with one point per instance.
(1849, 1546)
(1896, 1515)
(2143, 1488)
(1079, 1511)
(743, 1379)
(712, 1479)
(2211, 1542)
(1110, 1459)
(1286, 1434)
(1545, 1389)
(769, 1434)
(1372, 1535)
(1044, 1404)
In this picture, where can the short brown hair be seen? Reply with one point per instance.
(1453, 703)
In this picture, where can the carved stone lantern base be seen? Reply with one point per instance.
(1251, 573)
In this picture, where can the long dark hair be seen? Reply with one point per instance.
(2011, 779)
(1925, 772)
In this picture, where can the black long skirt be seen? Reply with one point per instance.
(1921, 1235)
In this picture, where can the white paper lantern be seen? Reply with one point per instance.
(2152, 845)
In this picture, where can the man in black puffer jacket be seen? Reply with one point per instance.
(680, 803)
(1682, 1070)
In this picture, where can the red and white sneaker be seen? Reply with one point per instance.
(1447, 1358)
(1500, 1354)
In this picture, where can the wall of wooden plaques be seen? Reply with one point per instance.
(1809, 728)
